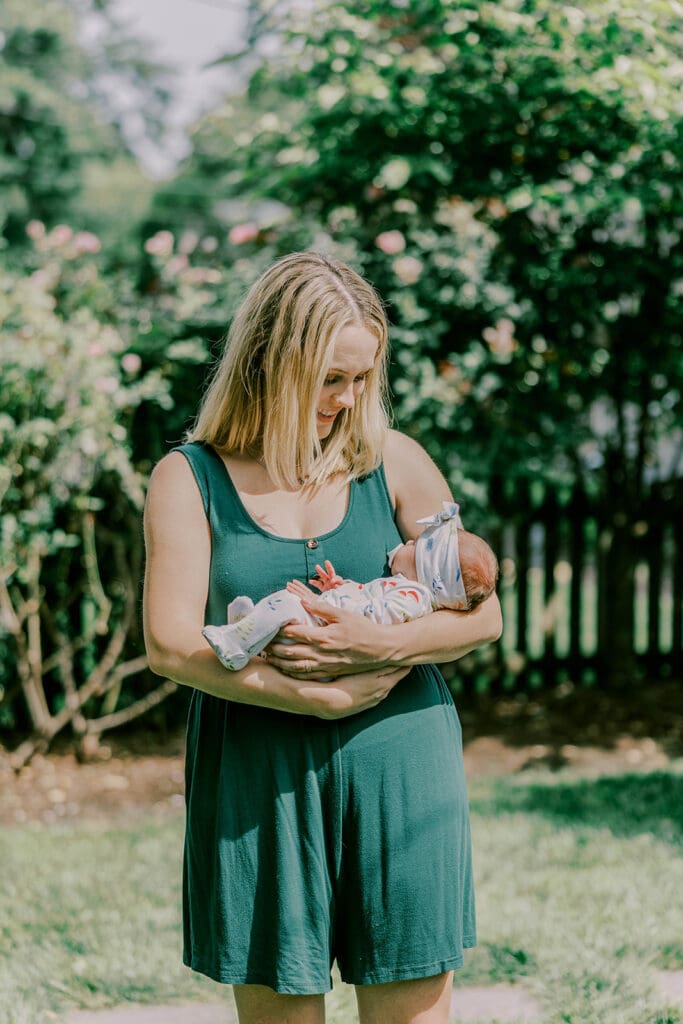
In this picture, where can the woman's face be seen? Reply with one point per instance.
(353, 357)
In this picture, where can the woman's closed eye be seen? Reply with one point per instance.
(331, 381)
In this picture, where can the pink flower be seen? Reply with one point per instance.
(177, 264)
(96, 348)
(390, 242)
(35, 229)
(202, 275)
(408, 269)
(188, 242)
(160, 244)
(501, 338)
(107, 385)
(86, 242)
(42, 278)
(209, 244)
(242, 233)
(131, 362)
(60, 235)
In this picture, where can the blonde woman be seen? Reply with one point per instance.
(325, 820)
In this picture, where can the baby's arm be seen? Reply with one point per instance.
(385, 600)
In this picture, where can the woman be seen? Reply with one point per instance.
(324, 819)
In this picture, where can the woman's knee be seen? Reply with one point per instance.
(418, 1001)
(258, 1004)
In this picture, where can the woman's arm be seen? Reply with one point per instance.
(349, 644)
(417, 488)
(178, 546)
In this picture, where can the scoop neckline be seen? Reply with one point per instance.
(276, 536)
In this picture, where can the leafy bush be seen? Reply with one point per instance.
(70, 544)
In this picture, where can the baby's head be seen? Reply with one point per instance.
(459, 567)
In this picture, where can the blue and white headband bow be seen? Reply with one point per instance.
(449, 513)
(437, 557)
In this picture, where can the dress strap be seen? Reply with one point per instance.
(203, 468)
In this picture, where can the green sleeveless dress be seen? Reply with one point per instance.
(310, 840)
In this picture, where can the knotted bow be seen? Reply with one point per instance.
(450, 511)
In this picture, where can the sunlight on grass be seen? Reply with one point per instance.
(578, 891)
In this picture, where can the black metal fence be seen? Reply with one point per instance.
(558, 582)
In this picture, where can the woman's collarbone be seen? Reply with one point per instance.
(297, 513)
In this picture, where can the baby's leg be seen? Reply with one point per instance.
(237, 642)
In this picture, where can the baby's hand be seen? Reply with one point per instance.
(328, 578)
(299, 589)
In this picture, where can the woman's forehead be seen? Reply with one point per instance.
(355, 349)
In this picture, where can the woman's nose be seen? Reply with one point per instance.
(346, 398)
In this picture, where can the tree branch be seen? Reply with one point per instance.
(139, 707)
(23, 753)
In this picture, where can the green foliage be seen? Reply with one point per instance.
(60, 105)
(511, 174)
(100, 376)
(68, 391)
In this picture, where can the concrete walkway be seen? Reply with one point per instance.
(501, 1003)
(134, 1013)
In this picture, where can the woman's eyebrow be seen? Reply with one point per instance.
(336, 369)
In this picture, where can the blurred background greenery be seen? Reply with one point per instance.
(508, 174)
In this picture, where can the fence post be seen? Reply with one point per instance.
(549, 513)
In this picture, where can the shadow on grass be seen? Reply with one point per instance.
(492, 963)
(627, 805)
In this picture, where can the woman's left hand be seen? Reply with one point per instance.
(346, 645)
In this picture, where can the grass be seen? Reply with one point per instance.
(578, 888)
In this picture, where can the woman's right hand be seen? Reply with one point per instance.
(350, 694)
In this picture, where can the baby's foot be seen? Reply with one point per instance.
(227, 647)
(239, 608)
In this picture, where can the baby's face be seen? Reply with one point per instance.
(404, 561)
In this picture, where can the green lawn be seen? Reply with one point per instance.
(579, 893)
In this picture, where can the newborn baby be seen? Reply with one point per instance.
(446, 567)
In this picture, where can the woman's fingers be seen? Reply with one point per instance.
(351, 694)
(301, 632)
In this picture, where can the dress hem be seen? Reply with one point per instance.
(240, 978)
(377, 977)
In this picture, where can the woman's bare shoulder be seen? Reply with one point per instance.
(397, 446)
(172, 485)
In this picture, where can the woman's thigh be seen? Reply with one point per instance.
(420, 1001)
(258, 1004)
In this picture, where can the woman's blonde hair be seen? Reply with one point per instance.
(262, 398)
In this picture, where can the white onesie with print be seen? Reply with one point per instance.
(251, 627)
